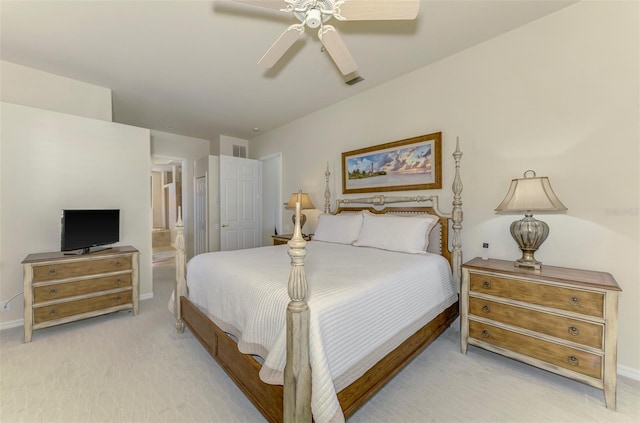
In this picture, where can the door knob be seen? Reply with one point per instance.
(224, 225)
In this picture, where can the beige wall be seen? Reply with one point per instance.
(560, 96)
(48, 121)
(53, 161)
(227, 143)
(34, 88)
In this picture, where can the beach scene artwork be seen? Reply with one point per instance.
(392, 167)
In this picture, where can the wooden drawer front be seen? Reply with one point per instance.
(557, 355)
(573, 330)
(55, 271)
(58, 311)
(71, 289)
(575, 300)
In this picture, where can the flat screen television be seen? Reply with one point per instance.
(83, 229)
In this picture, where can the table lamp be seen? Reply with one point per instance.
(305, 204)
(530, 194)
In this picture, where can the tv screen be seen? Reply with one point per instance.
(83, 229)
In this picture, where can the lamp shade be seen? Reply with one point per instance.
(530, 193)
(305, 201)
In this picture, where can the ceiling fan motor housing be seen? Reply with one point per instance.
(314, 18)
(310, 11)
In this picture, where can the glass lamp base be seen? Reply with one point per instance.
(303, 220)
(529, 233)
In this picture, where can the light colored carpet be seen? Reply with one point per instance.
(120, 368)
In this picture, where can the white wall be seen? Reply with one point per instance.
(31, 87)
(52, 161)
(187, 149)
(560, 96)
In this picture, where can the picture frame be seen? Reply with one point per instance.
(404, 165)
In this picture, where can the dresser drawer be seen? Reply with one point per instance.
(71, 289)
(62, 270)
(584, 302)
(71, 308)
(558, 355)
(573, 330)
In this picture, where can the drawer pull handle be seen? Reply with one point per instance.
(52, 312)
(486, 309)
(575, 301)
(574, 331)
(486, 284)
(118, 264)
(118, 281)
(52, 271)
(573, 360)
(485, 333)
(53, 292)
(118, 298)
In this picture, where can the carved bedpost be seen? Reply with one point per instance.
(181, 282)
(457, 216)
(327, 191)
(297, 371)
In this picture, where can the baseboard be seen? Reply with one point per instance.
(629, 372)
(12, 324)
(146, 296)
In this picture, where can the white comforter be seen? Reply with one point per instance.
(363, 303)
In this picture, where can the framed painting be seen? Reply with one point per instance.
(405, 165)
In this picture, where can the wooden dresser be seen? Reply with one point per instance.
(62, 288)
(558, 319)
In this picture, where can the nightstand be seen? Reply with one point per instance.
(558, 319)
(284, 238)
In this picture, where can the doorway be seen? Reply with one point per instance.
(166, 197)
(271, 197)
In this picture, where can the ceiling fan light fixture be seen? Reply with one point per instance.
(314, 18)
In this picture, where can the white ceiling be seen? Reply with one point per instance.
(189, 67)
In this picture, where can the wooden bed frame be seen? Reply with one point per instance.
(292, 402)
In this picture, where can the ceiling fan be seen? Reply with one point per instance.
(314, 13)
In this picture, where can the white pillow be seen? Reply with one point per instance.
(339, 228)
(405, 234)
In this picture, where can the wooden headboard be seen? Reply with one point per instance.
(441, 233)
(448, 221)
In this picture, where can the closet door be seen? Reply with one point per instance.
(240, 203)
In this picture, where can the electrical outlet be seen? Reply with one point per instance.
(5, 306)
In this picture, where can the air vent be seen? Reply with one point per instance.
(240, 151)
(354, 80)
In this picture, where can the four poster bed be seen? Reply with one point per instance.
(382, 285)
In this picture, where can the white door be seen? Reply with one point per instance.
(240, 203)
(201, 221)
(271, 197)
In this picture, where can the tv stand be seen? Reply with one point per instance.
(60, 288)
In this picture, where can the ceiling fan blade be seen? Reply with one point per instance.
(282, 44)
(332, 41)
(378, 10)
(269, 4)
